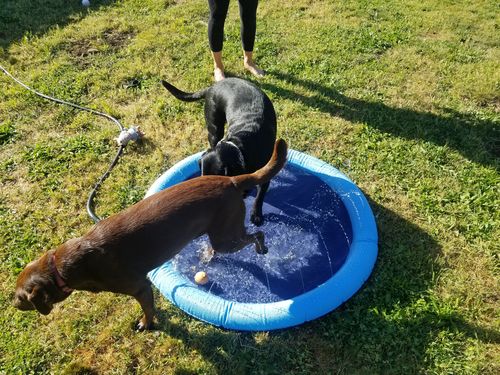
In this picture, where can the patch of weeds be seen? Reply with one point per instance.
(63, 82)
(7, 132)
(464, 53)
(269, 49)
(375, 39)
(80, 326)
(169, 110)
(453, 51)
(22, 354)
(478, 204)
(129, 194)
(485, 92)
(470, 210)
(6, 169)
(46, 162)
(22, 241)
(307, 133)
(450, 353)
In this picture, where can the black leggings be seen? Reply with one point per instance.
(218, 12)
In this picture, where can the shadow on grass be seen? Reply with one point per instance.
(389, 326)
(476, 139)
(18, 17)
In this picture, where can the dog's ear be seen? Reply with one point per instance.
(231, 160)
(39, 299)
(211, 164)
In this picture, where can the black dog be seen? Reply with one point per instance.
(251, 132)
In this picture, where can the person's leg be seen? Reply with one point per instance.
(218, 66)
(248, 16)
(218, 12)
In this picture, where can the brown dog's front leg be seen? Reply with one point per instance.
(146, 300)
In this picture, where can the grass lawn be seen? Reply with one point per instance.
(402, 96)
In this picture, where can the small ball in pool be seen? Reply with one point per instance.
(201, 278)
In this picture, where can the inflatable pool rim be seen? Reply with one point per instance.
(286, 313)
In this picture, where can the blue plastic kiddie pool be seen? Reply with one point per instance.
(322, 242)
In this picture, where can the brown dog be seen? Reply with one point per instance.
(118, 252)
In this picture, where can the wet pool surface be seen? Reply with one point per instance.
(308, 234)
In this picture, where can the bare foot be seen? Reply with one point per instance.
(254, 69)
(219, 74)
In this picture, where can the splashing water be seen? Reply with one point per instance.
(308, 234)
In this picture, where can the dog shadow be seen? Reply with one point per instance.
(357, 332)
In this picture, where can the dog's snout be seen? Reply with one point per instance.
(21, 303)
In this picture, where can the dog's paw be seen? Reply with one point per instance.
(260, 246)
(256, 219)
(142, 326)
(262, 250)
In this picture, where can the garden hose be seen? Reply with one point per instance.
(124, 137)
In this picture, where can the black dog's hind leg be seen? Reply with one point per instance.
(236, 243)
(256, 216)
(229, 234)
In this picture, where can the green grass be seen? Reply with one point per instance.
(401, 96)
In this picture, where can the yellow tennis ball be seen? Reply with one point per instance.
(201, 278)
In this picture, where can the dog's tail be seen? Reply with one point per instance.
(268, 171)
(185, 96)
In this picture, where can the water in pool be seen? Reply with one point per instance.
(307, 231)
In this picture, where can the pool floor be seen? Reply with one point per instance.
(308, 234)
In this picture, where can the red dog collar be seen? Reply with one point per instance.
(59, 280)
